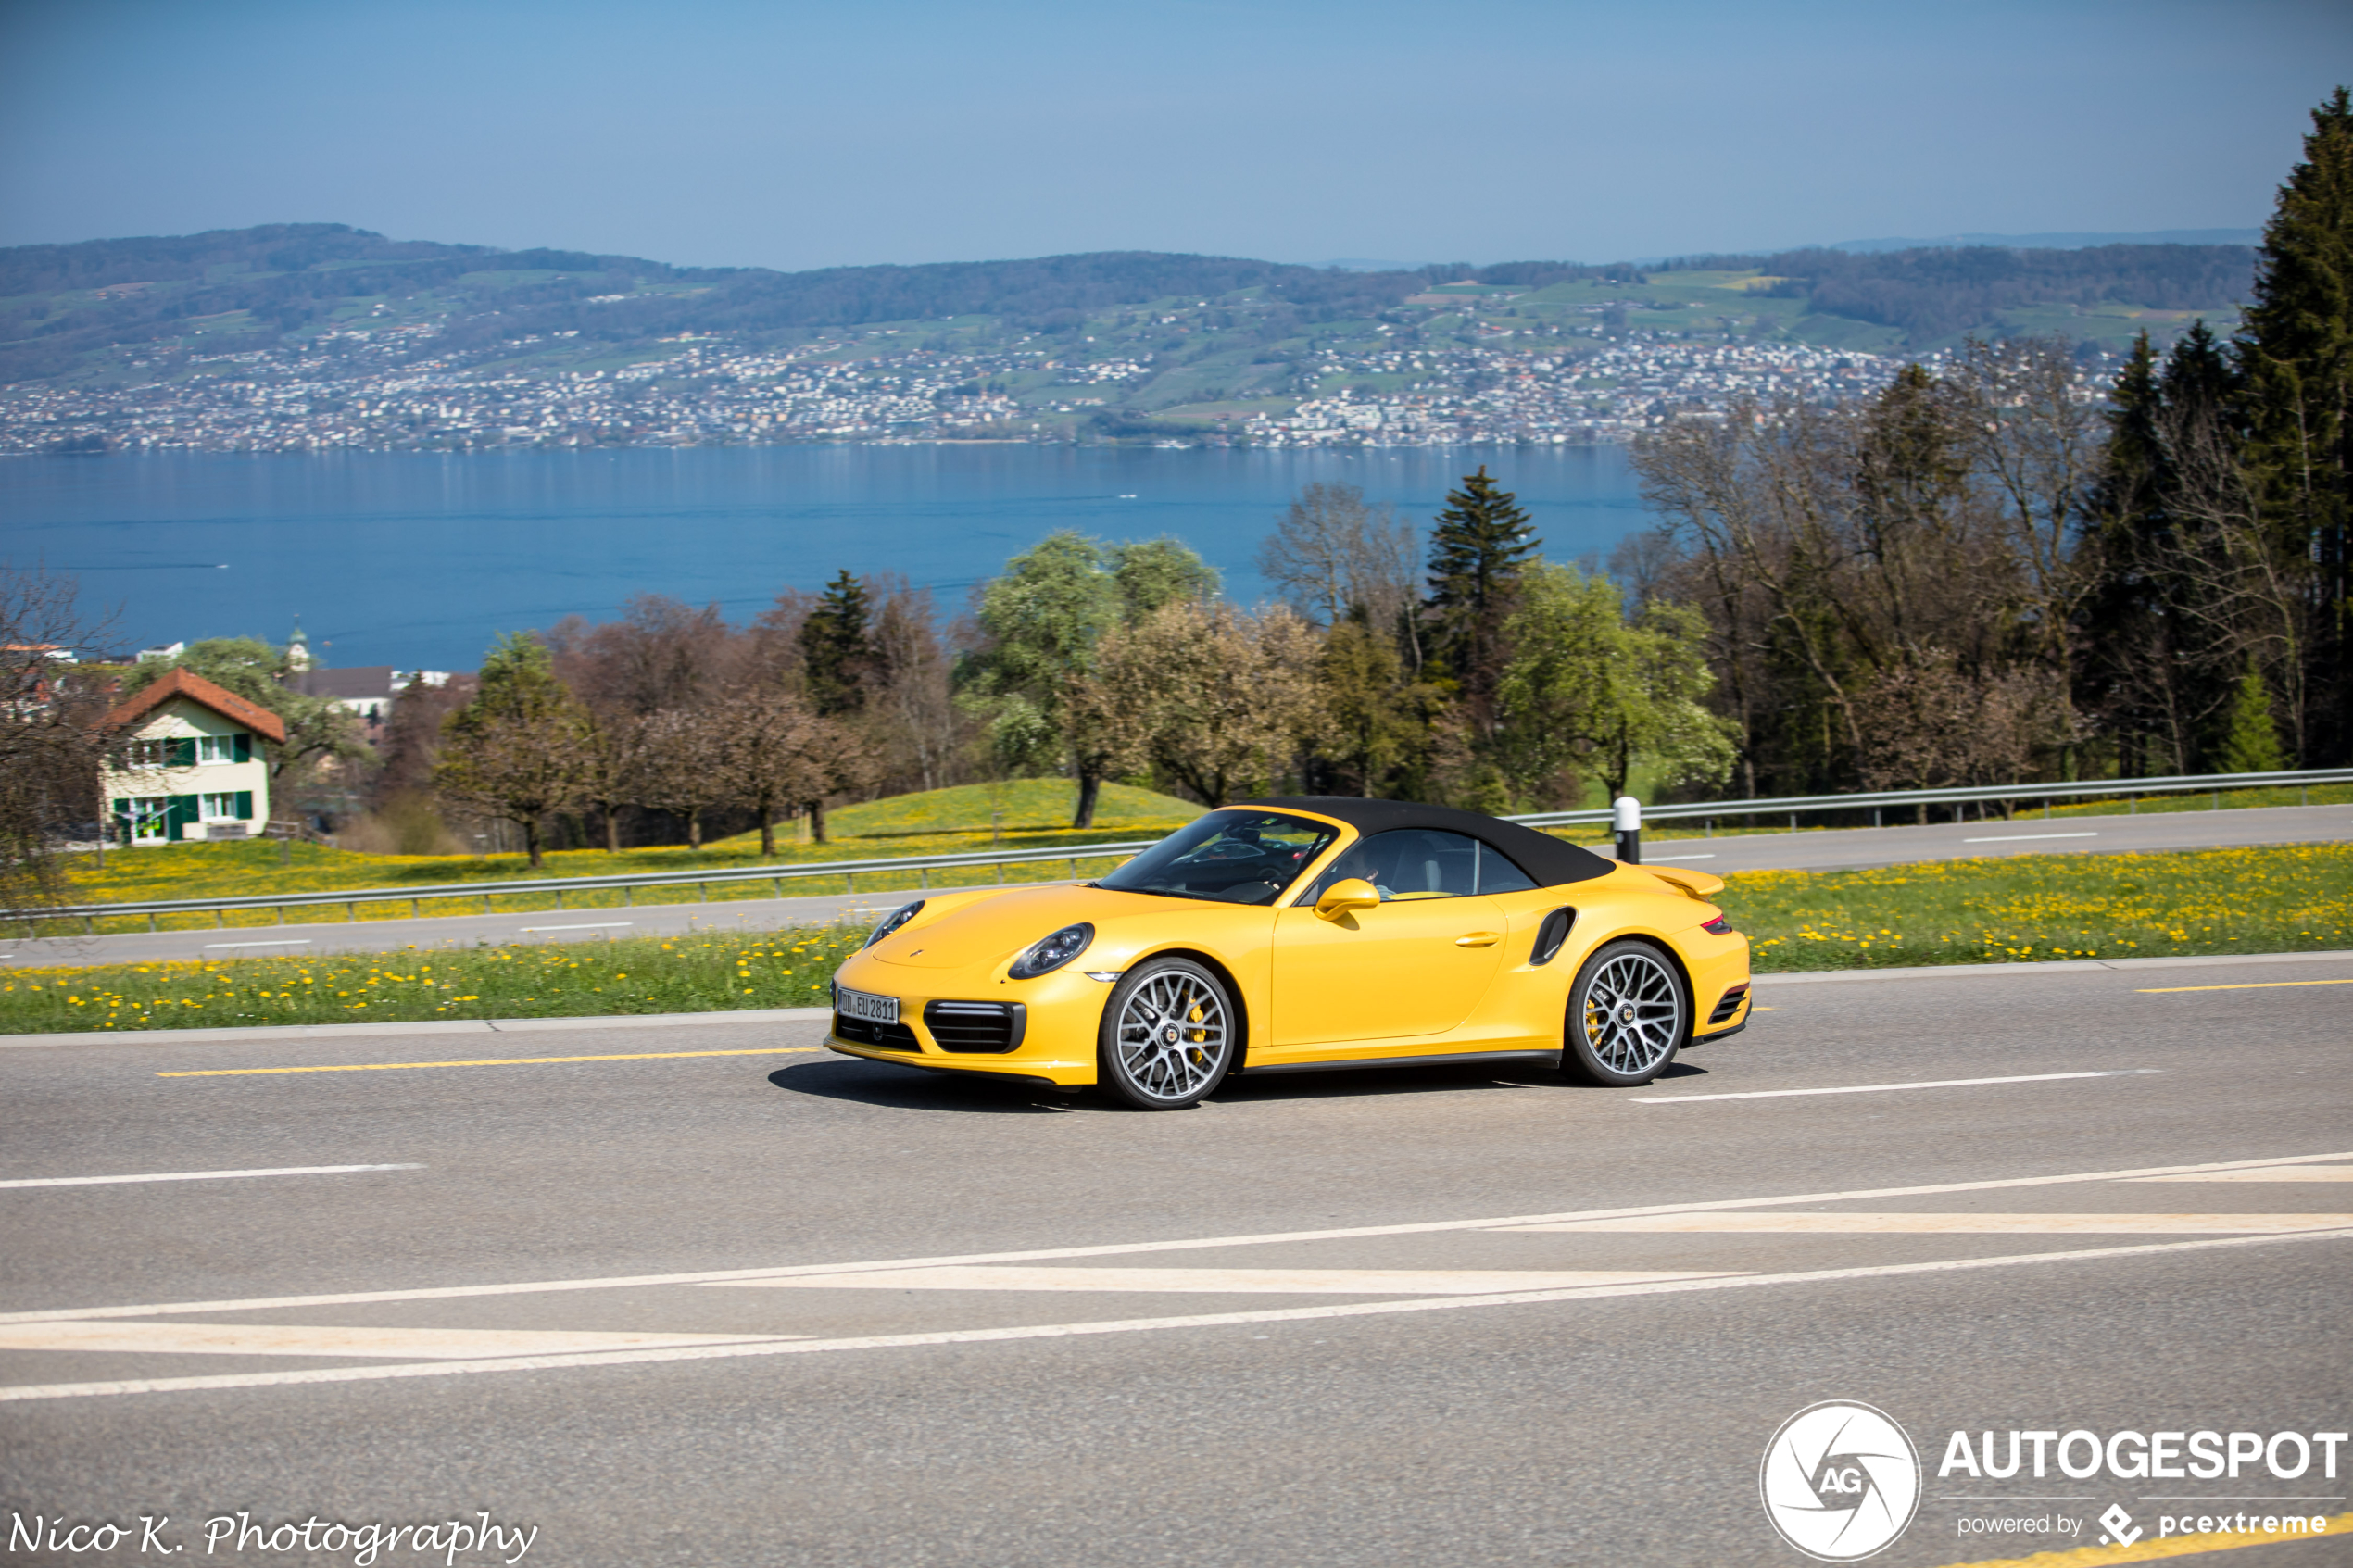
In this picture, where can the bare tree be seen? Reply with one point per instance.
(52, 748)
(776, 756)
(611, 753)
(1332, 554)
(660, 654)
(682, 765)
(515, 768)
(924, 739)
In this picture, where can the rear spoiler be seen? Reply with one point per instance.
(1698, 885)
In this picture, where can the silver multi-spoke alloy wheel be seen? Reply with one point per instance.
(1627, 1015)
(1168, 1035)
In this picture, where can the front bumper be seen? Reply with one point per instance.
(1061, 1014)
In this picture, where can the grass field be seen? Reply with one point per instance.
(2274, 898)
(1033, 813)
(2027, 909)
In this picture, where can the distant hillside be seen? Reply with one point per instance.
(94, 308)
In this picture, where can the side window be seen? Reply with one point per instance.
(216, 749)
(1497, 875)
(1409, 863)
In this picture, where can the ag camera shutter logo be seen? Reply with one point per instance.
(1840, 1481)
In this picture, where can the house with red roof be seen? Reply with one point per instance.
(196, 767)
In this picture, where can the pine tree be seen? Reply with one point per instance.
(837, 647)
(2296, 352)
(2250, 741)
(1481, 543)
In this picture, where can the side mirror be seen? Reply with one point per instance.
(1341, 897)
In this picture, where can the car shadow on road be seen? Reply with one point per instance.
(1369, 1081)
(908, 1088)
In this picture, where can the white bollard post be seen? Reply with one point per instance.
(1626, 816)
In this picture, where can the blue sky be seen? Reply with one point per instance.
(788, 134)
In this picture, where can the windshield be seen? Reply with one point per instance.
(1232, 857)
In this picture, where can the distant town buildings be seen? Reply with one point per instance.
(378, 389)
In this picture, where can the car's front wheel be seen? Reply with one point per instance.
(1167, 1035)
(1627, 1015)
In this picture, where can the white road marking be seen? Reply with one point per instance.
(1852, 1223)
(592, 926)
(1229, 1282)
(198, 1176)
(1660, 858)
(2021, 837)
(1130, 1249)
(1883, 1088)
(1128, 1325)
(403, 1344)
(289, 942)
(2277, 1173)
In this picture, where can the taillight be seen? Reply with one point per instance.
(1720, 926)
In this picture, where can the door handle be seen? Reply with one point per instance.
(1479, 939)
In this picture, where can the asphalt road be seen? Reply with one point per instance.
(1839, 850)
(778, 1308)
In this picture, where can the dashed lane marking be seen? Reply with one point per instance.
(1126, 1326)
(486, 1062)
(198, 1176)
(1886, 1089)
(1132, 1249)
(2022, 838)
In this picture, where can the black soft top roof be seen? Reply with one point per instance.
(1548, 860)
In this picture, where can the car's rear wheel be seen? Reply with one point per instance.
(1167, 1035)
(1627, 1014)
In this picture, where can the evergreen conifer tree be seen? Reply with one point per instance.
(2296, 352)
(1481, 543)
(2250, 740)
(837, 647)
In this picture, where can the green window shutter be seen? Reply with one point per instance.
(180, 752)
(181, 816)
(245, 803)
(122, 809)
(245, 749)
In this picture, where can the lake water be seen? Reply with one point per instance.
(416, 560)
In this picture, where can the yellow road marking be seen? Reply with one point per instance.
(488, 1061)
(2148, 1549)
(2249, 985)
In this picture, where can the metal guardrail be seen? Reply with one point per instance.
(1791, 806)
(486, 891)
(1795, 806)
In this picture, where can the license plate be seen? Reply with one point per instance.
(857, 1004)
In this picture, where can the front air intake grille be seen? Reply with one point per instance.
(977, 1027)
(866, 1031)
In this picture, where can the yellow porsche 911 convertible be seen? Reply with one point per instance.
(1292, 935)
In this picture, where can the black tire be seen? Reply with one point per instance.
(1628, 1012)
(1168, 1035)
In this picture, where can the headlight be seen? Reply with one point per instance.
(899, 916)
(1041, 957)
